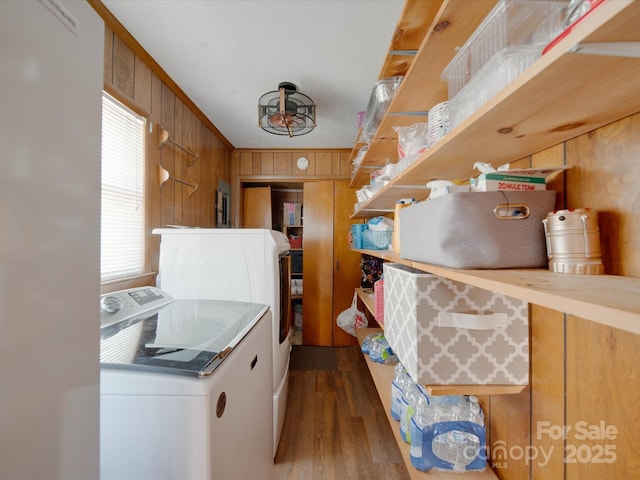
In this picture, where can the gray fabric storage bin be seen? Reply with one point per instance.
(450, 333)
(478, 229)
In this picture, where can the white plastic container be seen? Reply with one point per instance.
(511, 22)
(503, 68)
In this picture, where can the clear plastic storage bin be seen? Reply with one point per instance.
(511, 22)
(503, 68)
(381, 96)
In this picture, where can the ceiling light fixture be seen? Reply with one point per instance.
(286, 111)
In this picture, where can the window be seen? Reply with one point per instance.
(122, 228)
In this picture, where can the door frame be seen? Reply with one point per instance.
(241, 180)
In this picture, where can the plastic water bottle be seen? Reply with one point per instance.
(475, 411)
(423, 416)
(398, 385)
(408, 406)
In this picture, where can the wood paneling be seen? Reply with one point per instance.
(583, 374)
(603, 400)
(547, 394)
(133, 77)
(282, 163)
(346, 262)
(279, 166)
(605, 176)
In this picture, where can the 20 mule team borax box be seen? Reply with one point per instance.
(525, 180)
(490, 182)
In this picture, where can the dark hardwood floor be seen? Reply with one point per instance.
(335, 426)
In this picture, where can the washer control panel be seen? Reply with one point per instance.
(125, 304)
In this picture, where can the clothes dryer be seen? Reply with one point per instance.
(251, 265)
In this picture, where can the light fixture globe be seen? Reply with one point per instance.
(286, 111)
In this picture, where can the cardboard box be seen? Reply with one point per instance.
(292, 214)
(524, 179)
(450, 333)
(491, 182)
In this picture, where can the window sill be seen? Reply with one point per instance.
(144, 279)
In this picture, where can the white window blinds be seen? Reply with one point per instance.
(122, 209)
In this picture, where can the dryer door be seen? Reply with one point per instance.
(285, 296)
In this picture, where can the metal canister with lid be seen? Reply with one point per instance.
(573, 241)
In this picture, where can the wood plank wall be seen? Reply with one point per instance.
(282, 163)
(279, 166)
(132, 77)
(584, 376)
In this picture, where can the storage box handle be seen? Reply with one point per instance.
(512, 211)
(472, 321)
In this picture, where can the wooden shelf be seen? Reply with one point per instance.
(606, 299)
(422, 87)
(382, 376)
(366, 295)
(561, 96)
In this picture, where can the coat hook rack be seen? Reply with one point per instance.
(163, 176)
(163, 137)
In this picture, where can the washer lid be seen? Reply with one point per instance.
(188, 337)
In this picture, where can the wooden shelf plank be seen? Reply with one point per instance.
(606, 299)
(366, 295)
(422, 87)
(412, 26)
(561, 96)
(383, 201)
(382, 376)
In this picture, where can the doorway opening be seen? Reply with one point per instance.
(280, 206)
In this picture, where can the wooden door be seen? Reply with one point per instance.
(317, 264)
(256, 207)
(346, 262)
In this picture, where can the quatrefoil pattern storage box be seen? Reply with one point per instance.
(450, 333)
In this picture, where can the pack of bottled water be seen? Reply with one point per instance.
(448, 433)
(445, 432)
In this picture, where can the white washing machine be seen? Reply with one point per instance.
(242, 264)
(185, 388)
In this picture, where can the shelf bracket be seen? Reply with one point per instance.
(614, 49)
(402, 52)
(408, 114)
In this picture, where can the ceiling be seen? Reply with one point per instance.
(224, 54)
